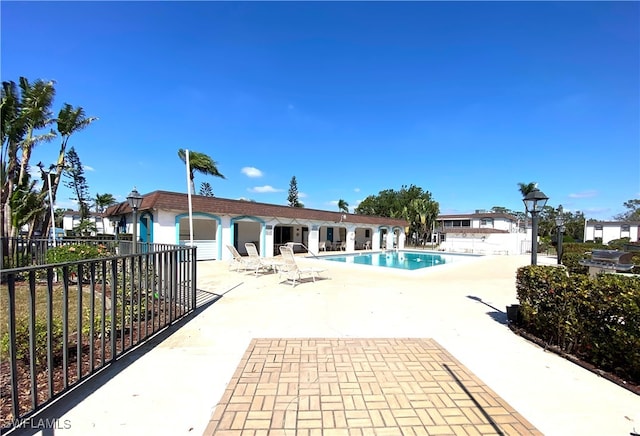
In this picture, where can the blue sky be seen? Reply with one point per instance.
(464, 99)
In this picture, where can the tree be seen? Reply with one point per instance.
(206, 190)
(58, 216)
(70, 120)
(201, 163)
(25, 204)
(526, 188)
(292, 198)
(36, 113)
(500, 209)
(24, 112)
(103, 201)
(77, 183)
(422, 214)
(632, 213)
(343, 206)
(411, 203)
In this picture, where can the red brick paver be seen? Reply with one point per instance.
(359, 387)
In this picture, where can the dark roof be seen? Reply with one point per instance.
(478, 215)
(223, 206)
(471, 230)
(633, 223)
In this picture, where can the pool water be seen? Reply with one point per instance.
(397, 259)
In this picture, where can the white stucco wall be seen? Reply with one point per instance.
(165, 231)
(611, 231)
(493, 243)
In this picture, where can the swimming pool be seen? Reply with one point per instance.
(407, 260)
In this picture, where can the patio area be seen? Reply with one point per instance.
(392, 332)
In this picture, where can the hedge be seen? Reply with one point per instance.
(595, 319)
(572, 253)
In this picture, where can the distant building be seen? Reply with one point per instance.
(482, 233)
(71, 219)
(605, 231)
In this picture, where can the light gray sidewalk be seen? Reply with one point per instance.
(173, 387)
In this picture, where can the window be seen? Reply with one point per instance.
(486, 222)
(367, 233)
(457, 223)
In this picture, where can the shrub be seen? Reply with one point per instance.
(73, 253)
(618, 244)
(597, 319)
(571, 261)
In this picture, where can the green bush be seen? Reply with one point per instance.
(72, 253)
(597, 319)
(618, 244)
(582, 247)
(574, 252)
(572, 262)
(22, 340)
(76, 252)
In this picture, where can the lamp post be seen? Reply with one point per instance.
(135, 200)
(534, 202)
(560, 230)
(114, 224)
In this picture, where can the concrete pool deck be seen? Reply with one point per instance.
(173, 386)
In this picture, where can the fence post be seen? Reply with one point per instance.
(193, 277)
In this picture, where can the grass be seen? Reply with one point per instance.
(22, 302)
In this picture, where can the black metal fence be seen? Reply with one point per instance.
(21, 252)
(60, 323)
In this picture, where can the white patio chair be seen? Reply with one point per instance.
(291, 269)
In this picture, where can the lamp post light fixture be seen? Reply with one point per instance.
(534, 202)
(135, 200)
(560, 230)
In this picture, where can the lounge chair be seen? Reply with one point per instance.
(260, 263)
(291, 269)
(239, 261)
(322, 246)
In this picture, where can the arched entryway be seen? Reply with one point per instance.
(247, 229)
(206, 234)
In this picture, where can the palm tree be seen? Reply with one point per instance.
(23, 113)
(35, 109)
(12, 132)
(526, 188)
(103, 201)
(70, 120)
(343, 206)
(199, 162)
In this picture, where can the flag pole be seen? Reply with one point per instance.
(189, 191)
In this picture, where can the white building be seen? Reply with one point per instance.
(71, 219)
(482, 233)
(605, 231)
(217, 222)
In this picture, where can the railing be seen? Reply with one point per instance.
(61, 323)
(21, 252)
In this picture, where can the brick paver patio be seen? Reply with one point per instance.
(359, 387)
